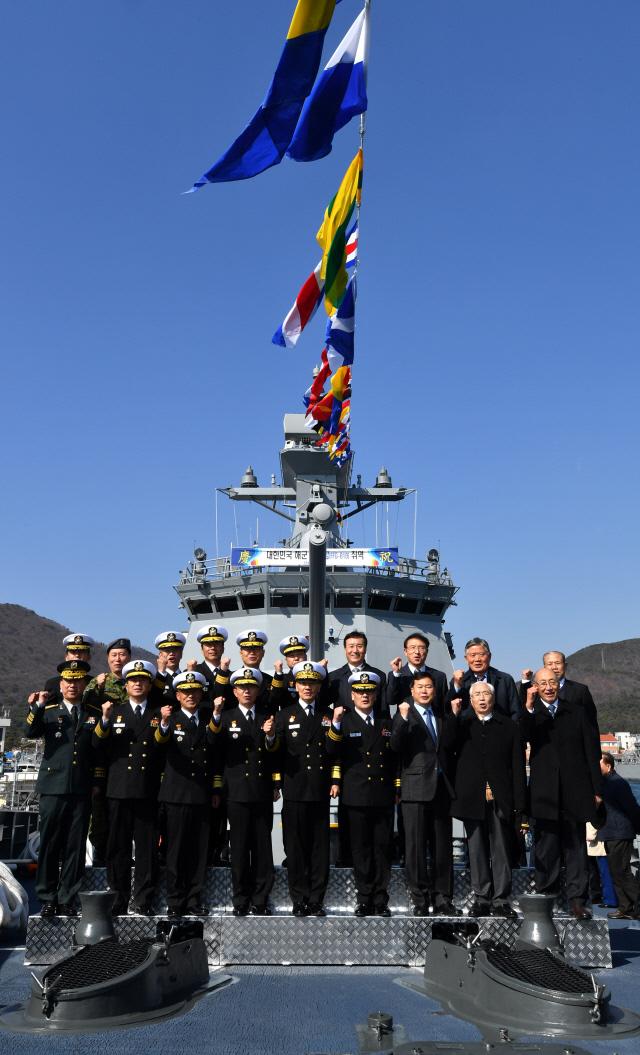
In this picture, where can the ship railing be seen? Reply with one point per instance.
(220, 568)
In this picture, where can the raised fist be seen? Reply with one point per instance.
(191, 664)
(268, 726)
(527, 674)
(403, 710)
(107, 708)
(338, 713)
(100, 680)
(334, 791)
(456, 707)
(225, 663)
(458, 675)
(531, 697)
(396, 665)
(277, 666)
(42, 698)
(218, 704)
(161, 662)
(166, 713)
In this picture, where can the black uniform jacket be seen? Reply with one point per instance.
(564, 762)
(399, 688)
(505, 699)
(420, 759)
(368, 766)
(573, 692)
(69, 763)
(340, 690)
(133, 764)
(187, 777)
(304, 759)
(492, 753)
(283, 691)
(243, 763)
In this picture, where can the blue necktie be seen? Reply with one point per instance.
(428, 717)
(552, 709)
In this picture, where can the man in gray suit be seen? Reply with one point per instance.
(417, 738)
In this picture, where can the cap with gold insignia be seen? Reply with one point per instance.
(120, 642)
(72, 669)
(139, 668)
(364, 681)
(189, 679)
(210, 634)
(309, 671)
(252, 639)
(78, 642)
(294, 644)
(170, 639)
(246, 676)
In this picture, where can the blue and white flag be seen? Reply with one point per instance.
(339, 93)
(341, 329)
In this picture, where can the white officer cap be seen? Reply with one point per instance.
(309, 671)
(251, 639)
(189, 679)
(364, 681)
(77, 642)
(246, 676)
(139, 668)
(294, 644)
(209, 634)
(170, 639)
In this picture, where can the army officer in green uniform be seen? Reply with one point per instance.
(64, 784)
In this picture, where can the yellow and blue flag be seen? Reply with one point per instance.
(267, 136)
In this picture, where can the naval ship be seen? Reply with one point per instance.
(374, 590)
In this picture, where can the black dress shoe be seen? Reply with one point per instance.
(65, 910)
(299, 910)
(362, 909)
(48, 910)
(503, 909)
(421, 910)
(579, 911)
(446, 908)
(174, 914)
(142, 910)
(619, 914)
(197, 910)
(260, 910)
(240, 910)
(314, 908)
(382, 910)
(478, 908)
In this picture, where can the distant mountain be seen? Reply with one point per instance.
(30, 650)
(612, 672)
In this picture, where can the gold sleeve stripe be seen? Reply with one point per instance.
(336, 773)
(222, 679)
(398, 782)
(215, 728)
(276, 777)
(333, 735)
(217, 782)
(277, 681)
(274, 746)
(99, 771)
(102, 733)
(160, 737)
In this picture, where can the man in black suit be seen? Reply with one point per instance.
(301, 731)
(368, 766)
(125, 733)
(565, 788)
(416, 648)
(355, 647)
(478, 656)
(186, 792)
(244, 764)
(65, 781)
(490, 787)
(417, 738)
(572, 691)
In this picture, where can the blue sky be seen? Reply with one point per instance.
(498, 316)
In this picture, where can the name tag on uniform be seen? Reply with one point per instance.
(386, 732)
(355, 734)
(296, 726)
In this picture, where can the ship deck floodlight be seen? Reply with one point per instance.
(249, 479)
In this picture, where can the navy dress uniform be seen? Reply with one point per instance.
(65, 781)
(76, 646)
(368, 768)
(133, 780)
(294, 648)
(212, 640)
(302, 730)
(185, 791)
(244, 766)
(167, 641)
(251, 644)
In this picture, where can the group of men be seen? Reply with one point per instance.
(178, 756)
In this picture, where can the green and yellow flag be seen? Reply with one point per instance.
(332, 234)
